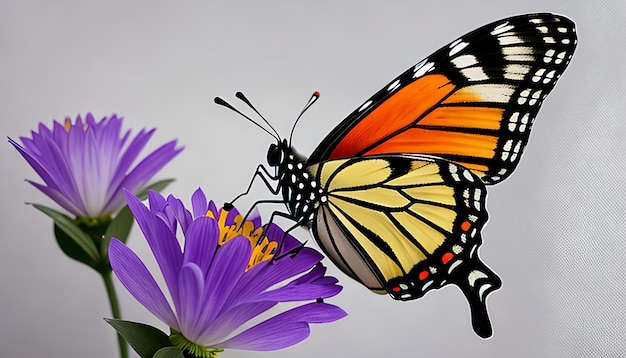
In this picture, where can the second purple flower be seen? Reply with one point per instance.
(85, 165)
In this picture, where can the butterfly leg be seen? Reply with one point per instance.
(292, 251)
(257, 203)
(266, 176)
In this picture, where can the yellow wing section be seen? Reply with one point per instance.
(383, 215)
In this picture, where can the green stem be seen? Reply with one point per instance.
(115, 309)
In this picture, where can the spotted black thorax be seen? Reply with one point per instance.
(300, 190)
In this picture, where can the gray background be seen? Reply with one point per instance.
(556, 231)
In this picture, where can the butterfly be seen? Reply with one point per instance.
(395, 194)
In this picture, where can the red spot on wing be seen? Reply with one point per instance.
(445, 258)
(465, 225)
(423, 275)
(396, 289)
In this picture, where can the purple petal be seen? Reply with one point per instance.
(191, 289)
(213, 210)
(150, 165)
(228, 266)
(162, 242)
(255, 217)
(310, 286)
(301, 292)
(269, 336)
(58, 168)
(59, 198)
(285, 329)
(179, 212)
(134, 275)
(156, 201)
(264, 275)
(91, 174)
(34, 162)
(275, 233)
(232, 319)
(145, 170)
(199, 204)
(160, 207)
(126, 160)
(201, 243)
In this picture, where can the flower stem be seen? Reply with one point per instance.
(115, 309)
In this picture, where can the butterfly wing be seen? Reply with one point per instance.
(472, 102)
(405, 224)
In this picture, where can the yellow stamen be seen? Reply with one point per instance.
(68, 124)
(262, 250)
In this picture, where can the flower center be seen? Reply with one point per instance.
(199, 351)
(262, 249)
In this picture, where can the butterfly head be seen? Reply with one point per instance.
(281, 155)
(275, 155)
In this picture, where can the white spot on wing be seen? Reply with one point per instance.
(547, 57)
(509, 40)
(474, 74)
(420, 70)
(464, 61)
(516, 72)
(455, 42)
(474, 276)
(365, 105)
(508, 145)
(393, 86)
(492, 92)
(502, 28)
(458, 47)
(549, 40)
(518, 54)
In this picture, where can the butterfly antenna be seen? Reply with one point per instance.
(222, 102)
(314, 97)
(245, 100)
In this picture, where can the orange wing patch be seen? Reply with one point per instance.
(433, 116)
(464, 117)
(399, 111)
(439, 142)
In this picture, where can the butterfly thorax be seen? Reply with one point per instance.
(300, 189)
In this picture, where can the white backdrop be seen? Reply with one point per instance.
(556, 234)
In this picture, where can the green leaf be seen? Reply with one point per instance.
(118, 228)
(144, 339)
(156, 186)
(71, 248)
(74, 234)
(169, 352)
(123, 221)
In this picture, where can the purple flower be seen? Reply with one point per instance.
(86, 165)
(227, 274)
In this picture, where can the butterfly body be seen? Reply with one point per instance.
(395, 194)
